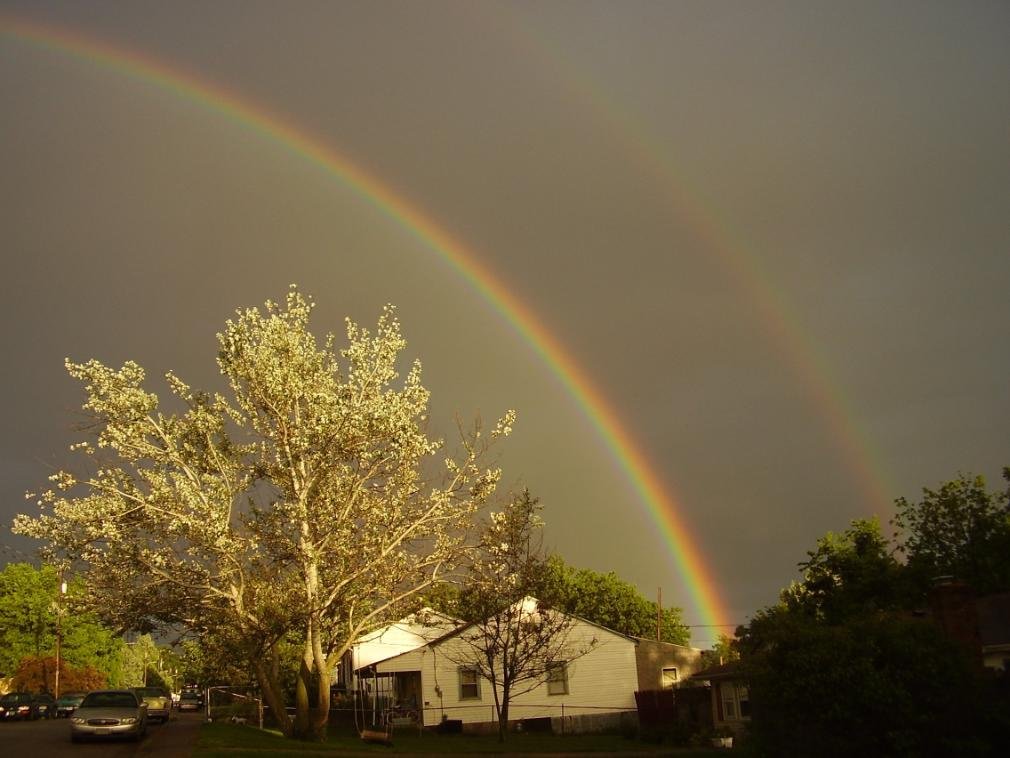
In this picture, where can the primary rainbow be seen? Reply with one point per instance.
(699, 582)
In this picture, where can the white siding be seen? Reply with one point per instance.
(396, 639)
(605, 679)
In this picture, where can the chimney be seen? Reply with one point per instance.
(952, 605)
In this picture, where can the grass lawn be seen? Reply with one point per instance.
(229, 741)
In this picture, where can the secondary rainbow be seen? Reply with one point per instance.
(699, 581)
(783, 327)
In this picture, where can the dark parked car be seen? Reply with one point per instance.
(22, 706)
(190, 701)
(43, 706)
(16, 706)
(67, 703)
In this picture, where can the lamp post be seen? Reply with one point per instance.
(59, 634)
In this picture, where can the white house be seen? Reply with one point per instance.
(429, 682)
(409, 633)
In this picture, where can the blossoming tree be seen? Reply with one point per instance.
(305, 506)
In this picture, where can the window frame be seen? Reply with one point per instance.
(663, 685)
(475, 684)
(553, 680)
(734, 701)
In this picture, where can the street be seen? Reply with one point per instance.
(52, 738)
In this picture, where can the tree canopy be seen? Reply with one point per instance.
(875, 684)
(847, 574)
(304, 507)
(849, 662)
(959, 529)
(609, 601)
(30, 602)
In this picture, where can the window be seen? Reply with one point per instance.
(735, 701)
(469, 684)
(557, 678)
(728, 701)
(743, 697)
(669, 678)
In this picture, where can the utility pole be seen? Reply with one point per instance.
(659, 614)
(59, 634)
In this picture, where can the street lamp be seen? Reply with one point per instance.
(59, 634)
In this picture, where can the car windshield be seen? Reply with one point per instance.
(151, 692)
(72, 697)
(109, 700)
(13, 697)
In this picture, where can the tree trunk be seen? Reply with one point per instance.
(272, 694)
(321, 716)
(310, 725)
(503, 712)
(303, 727)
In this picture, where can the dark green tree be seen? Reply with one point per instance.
(961, 530)
(877, 684)
(849, 574)
(843, 665)
(609, 601)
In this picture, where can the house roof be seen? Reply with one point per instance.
(661, 643)
(403, 636)
(730, 670)
(529, 602)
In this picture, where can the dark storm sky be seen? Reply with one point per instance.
(776, 236)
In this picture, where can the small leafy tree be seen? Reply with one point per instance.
(209, 660)
(139, 662)
(514, 642)
(305, 508)
(725, 650)
(37, 674)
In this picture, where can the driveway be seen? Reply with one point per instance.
(52, 738)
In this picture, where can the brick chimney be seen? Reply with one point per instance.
(952, 606)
